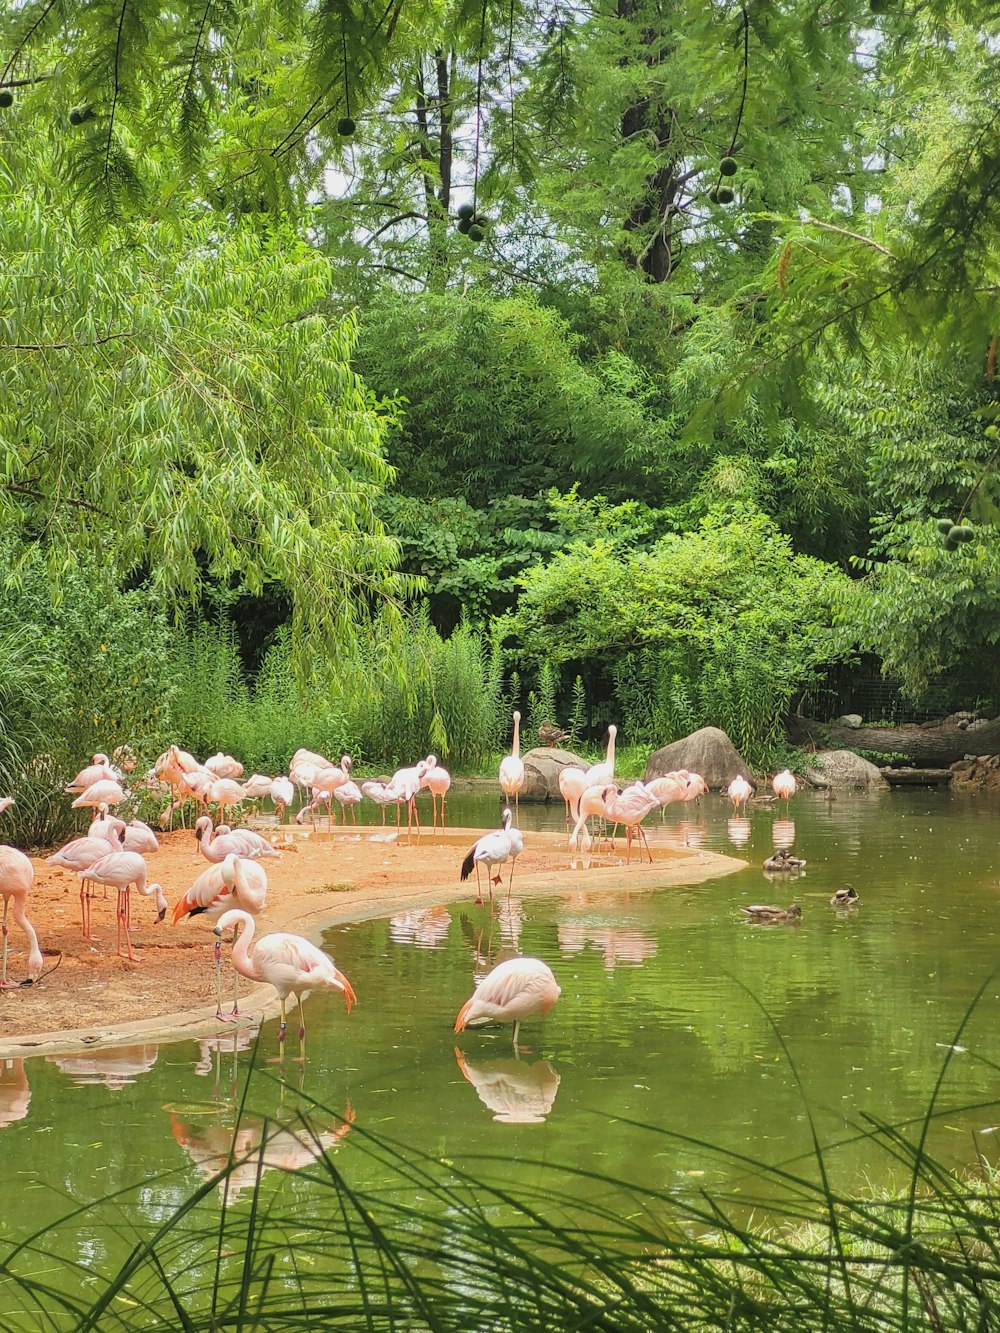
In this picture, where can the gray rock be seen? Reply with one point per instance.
(852, 720)
(542, 767)
(833, 769)
(709, 752)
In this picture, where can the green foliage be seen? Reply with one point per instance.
(719, 627)
(577, 722)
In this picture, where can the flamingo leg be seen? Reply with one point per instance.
(628, 842)
(302, 1031)
(123, 924)
(442, 810)
(479, 888)
(283, 1029)
(517, 1028)
(3, 979)
(642, 835)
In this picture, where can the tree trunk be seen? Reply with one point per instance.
(925, 747)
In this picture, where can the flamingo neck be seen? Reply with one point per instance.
(611, 751)
(242, 960)
(516, 749)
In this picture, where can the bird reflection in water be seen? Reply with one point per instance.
(618, 944)
(15, 1095)
(116, 1067)
(229, 1043)
(516, 1092)
(255, 1145)
(494, 942)
(738, 829)
(426, 927)
(783, 834)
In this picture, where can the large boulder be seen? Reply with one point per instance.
(542, 767)
(840, 769)
(709, 752)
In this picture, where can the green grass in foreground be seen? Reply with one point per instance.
(439, 1249)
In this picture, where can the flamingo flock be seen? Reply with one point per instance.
(231, 892)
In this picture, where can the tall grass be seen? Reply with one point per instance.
(449, 1246)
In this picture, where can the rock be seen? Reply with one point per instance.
(709, 752)
(852, 720)
(542, 767)
(977, 773)
(837, 769)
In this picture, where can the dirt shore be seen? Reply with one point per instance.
(88, 995)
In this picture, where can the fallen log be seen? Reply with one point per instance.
(926, 747)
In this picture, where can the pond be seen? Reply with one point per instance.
(683, 1034)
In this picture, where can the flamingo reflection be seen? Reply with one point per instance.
(254, 1146)
(517, 1093)
(738, 829)
(116, 1067)
(618, 944)
(783, 833)
(426, 927)
(15, 1095)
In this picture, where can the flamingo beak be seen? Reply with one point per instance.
(161, 914)
(341, 982)
(216, 930)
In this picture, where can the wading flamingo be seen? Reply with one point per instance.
(437, 780)
(407, 782)
(236, 883)
(630, 808)
(224, 766)
(289, 963)
(593, 801)
(784, 785)
(512, 992)
(493, 849)
(739, 791)
(319, 798)
(669, 789)
(512, 766)
(282, 794)
(16, 877)
(347, 796)
(572, 784)
(383, 794)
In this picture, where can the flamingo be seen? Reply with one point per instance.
(593, 801)
(572, 784)
(599, 775)
(437, 780)
(5, 803)
(407, 782)
(99, 826)
(630, 808)
(348, 794)
(171, 768)
(98, 768)
(236, 883)
(784, 785)
(288, 962)
(512, 766)
(16, 877)
(257, 786)
(513, 991)
(739, 791)
(493, 849)
(332, 776)
(224, 766)
(383, 794)
(282, 794)
(120, 870)
(670, 788)
(105, 792)
(138, 837)
(696, 786)
(319, 797)
(215, 847)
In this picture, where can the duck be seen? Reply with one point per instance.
(773, 914)
(550, 733)
(783, 860)
(845, 897)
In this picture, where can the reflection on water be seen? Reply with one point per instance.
(427, 927)
(256, 1145)
(517, 1093)
(116, 1067)
(618, 944)
(738, 829)
(783, 833)
(15, 1095)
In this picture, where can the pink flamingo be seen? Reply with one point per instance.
(347, 796)
(224, 766)
(105, 792)
(739, 791)
(225, 793)
(630, 808)
(512, 766)
(696, 787)
(669, 789)
(437, 780)
(572, 784)
(17, 875)
(784, 785)
(593, 801)
(236, 883)
(512, 992)
(599, 775)
(382, 794)
(289, 963)
(5, 803)
(98, 768)
(407, 782)
(15, 1095)
(282, 794)
(216, 846)
(319, 798)
(120, 870)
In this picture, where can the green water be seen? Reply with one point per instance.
(669, 1018)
